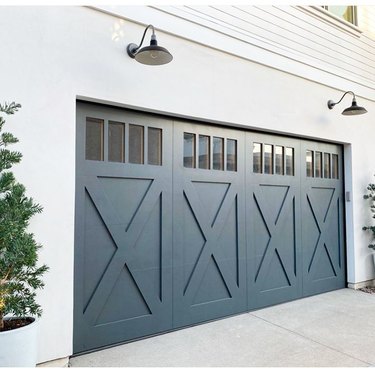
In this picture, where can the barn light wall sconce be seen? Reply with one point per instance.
(150, 55)
(354, 109)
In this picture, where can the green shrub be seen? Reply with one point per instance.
(20, 275)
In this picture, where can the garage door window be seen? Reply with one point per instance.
(231, 155)
(155, 138)
(213, 152)
(268, 159)
(318, 164)
(289, 161)
(335, 166)
(279, 160)
(116, 141)
(218, 156)
(309, 163)
(125, 143)
(257, 158)
(273, 159)
(136, 144)
(204, 152)
(189, 150)
(326, 165)
(94, 139)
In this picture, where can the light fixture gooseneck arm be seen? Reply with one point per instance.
(354, 109)
(133, 48)
(331, 104)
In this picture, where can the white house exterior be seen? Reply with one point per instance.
(267, 69)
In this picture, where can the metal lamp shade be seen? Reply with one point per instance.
(354, 109)
(153, 55)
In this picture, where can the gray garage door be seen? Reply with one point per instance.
(179, 223)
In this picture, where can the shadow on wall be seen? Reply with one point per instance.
(117, 32)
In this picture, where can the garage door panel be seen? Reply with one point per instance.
(206, 237)
(274, 254)
(116, 307)
(198, 248)
(332, 242)
(135, 191)
(212, 286)
(121, 331)
(273, 219)
(211, 196)
(117, 170)
(319, 200)
(324, 253)
(126, 237)
(270, 200)
(123, 261)
(95, 235)
(327, 232)
(205, 218)
(207, 252)
(322, 210)
(193, 243)
(227, 252)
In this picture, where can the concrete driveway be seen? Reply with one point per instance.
(331, 329)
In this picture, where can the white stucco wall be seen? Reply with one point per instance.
(53, 55)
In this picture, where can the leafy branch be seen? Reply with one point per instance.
(371, 196)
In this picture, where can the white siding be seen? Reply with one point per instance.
(303, 34)
(366, 20)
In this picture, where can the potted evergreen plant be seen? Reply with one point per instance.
(20, 274)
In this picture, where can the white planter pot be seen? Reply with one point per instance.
(18, 347)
